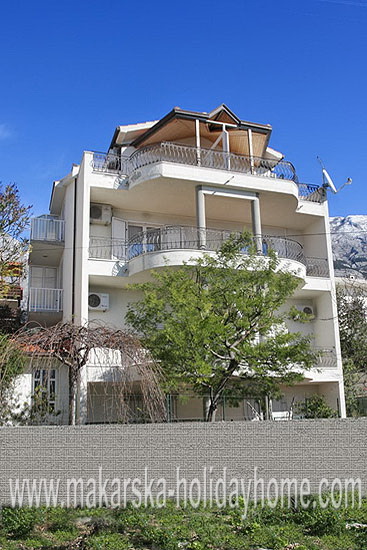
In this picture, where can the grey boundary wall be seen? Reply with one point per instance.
(312, 449)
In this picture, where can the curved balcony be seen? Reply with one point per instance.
(188, 155)
(150, 243)
(209, 158)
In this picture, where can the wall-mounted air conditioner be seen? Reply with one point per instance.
(100, 213)
(307, 309)
(98, 301)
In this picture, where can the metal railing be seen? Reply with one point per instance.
(45, 299)
(108, 163)
(192, 238)
(193, 156)
(104, 248)
(207, 158)
(327, 359)
(311, 192)
(47, 229)
(317, 267)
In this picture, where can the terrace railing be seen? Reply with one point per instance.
(317, 267)
(47, 229)
(104, 248)
(192, 238)
(207, 158)
(45, 299)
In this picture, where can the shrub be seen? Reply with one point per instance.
(18, 522)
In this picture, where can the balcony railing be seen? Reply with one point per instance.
(47, 229)
(192, 238)
(45, 299)
(327, 359)
(104, 248)
(317, 267)
(193, 156)
(207, 158)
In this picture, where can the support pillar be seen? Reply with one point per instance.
(256, 224)
(225, 141)
(197, 139)
(200, 217)
(250, 149)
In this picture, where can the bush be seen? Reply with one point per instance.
(18, 522)
(316, 407)
(319, 521)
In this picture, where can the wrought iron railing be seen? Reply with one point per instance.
(45, 299)
(193, 238)
(47, 229)
(105, 248)
(207, 158)
(108, 163)
(317, 267)
(311, 192)
(326, 359)
(193, 156)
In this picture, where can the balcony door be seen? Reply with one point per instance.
(118, 249)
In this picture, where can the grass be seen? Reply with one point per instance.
(172, 528)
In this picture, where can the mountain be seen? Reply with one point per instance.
(349, 241)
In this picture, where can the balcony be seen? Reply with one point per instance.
(104, 248)
(183, 238)
(45, 299)
(206, 158)
(317, 267)
(47, 229)
(192, 238)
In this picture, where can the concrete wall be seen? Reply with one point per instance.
(300, 449)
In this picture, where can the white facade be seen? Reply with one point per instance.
(163, 193)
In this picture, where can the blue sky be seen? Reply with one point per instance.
(73, 70)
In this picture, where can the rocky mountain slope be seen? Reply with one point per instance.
(349, 240)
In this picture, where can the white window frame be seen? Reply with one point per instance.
(47, 380)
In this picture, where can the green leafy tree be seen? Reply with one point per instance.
(216, 324)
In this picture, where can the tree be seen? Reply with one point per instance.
(14, 220)
(118, 351)
(12, 364)
(216, 323)
(352, 315)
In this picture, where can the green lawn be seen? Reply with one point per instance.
(170, 528)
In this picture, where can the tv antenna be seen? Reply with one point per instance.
(327, 182)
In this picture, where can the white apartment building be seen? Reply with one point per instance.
(164, 192)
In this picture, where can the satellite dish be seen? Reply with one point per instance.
(327, 180)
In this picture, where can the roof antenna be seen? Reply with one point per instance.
(327, 182)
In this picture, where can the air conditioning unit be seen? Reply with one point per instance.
(98, 301)
(100, 213)
(307, 309)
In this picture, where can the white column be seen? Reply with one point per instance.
(250, 149)
(256, 224)
(225, 141)
(200, 216)
(197, 138)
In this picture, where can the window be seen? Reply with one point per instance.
(44, 389)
